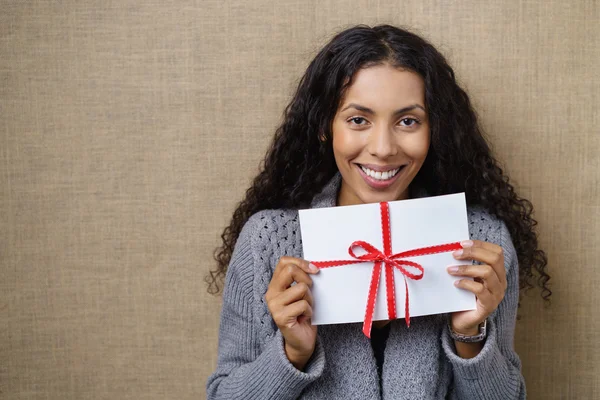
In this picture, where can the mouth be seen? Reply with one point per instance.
(379, 177)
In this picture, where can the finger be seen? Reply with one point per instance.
(284, 275)
(303, 318)
(299, 308)
(486, 301)
(484, 255)
(491, 257)
(474, 287)
(300, 291)
(288, 316)
(304, 265)
(484, 272)
(480, 243)
(289, 274)
(499, 266)
(309, 297)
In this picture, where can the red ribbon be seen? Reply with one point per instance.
(390, 261)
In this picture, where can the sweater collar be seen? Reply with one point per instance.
(327, 197)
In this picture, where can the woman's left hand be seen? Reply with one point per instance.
(488, 284)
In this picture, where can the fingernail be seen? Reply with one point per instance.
(313, 267)
(466, 243)
(452, 269)
(456, 282)
(457, 253)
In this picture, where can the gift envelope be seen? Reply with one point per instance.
(341, 292)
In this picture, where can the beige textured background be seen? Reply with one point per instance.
(129, 130)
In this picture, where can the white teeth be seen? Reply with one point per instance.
(381, 176)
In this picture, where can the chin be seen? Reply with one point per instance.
(368, 198)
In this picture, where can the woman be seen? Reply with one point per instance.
(378, 116)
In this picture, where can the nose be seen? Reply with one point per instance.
(382, 143)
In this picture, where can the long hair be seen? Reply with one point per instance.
(297, 164)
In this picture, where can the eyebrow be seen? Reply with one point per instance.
(367, 110)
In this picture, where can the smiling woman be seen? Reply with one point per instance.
(380, 135)
(378, 116)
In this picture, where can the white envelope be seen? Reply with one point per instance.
(340, 293)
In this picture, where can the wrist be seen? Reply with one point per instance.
(297, 358)
(469, 334)
(466, 331)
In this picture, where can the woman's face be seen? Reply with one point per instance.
(380, 135)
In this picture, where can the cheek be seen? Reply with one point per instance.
(346, 144)
(418, 146)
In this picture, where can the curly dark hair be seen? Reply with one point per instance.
(298, 164)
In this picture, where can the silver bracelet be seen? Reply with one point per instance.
(469, 339)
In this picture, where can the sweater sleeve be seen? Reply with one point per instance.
(244, 369)
(495, 373)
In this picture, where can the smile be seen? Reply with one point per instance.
(380, 175)
(382, 178)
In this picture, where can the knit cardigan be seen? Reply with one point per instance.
(420, 362)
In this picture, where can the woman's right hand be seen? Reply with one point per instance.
(291, 308)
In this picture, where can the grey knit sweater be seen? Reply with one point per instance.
(420, 362)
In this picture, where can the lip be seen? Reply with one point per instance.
(376, 184)
(381, 168)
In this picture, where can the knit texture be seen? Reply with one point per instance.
(420, 362)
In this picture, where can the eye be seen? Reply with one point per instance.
(409, 122)
(357, 121)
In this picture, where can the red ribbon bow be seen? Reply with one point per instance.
(390, 261)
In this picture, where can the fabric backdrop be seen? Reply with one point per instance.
(129, 130)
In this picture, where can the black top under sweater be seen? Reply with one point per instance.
(378, 340)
